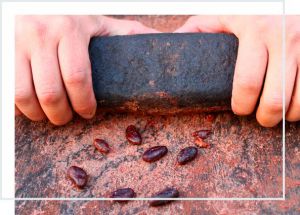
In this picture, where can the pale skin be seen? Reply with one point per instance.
(258, 71)
(52, 83)
(53, 71)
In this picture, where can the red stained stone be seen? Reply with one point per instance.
(201, 143)
(210, 118)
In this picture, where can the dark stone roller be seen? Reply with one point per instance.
(163, 73)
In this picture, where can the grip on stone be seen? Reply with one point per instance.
(163, 73)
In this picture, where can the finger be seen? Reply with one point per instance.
(110, 26)
(17, 111)
(48, 83)
(25, 98)
(269, 112)
(76, 72)
(249, 75)
(293, 113)
(211, 24)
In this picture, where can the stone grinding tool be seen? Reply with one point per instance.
(163, 73)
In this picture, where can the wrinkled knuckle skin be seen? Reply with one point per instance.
(292, 31)
(49, 98)
(247, 84)
(273, 104)
(250, 87)
(67, 23)
(39, 30)
(76, 78)
(293, 41)
(22, 96)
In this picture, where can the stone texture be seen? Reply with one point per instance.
(244, 159)
(163, 73)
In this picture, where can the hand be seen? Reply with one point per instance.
(258, 71)
(53, 71)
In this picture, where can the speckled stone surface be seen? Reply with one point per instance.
(243, 160)
(163, 73)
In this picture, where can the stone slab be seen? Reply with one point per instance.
(163, 73)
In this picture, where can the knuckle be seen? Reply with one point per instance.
(49, 97)
(273, 104)
(293, 38)
(76, 77)
(39, 29)
(134, 28)
(67, 23)
(247, 84)
(266, 22)
(292, 30)
(22, 96)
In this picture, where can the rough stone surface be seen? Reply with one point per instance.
(244, 160)
(163, 73)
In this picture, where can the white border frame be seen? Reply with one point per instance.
(9, 10)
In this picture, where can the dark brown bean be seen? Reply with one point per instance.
(166, 193)
(101, 145)
(155, 153)
(187, 154)
(133, 135)
(123, 193)
(78, 176)
(202, 134)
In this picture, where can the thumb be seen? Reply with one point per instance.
(211, 24)
(110, 27)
